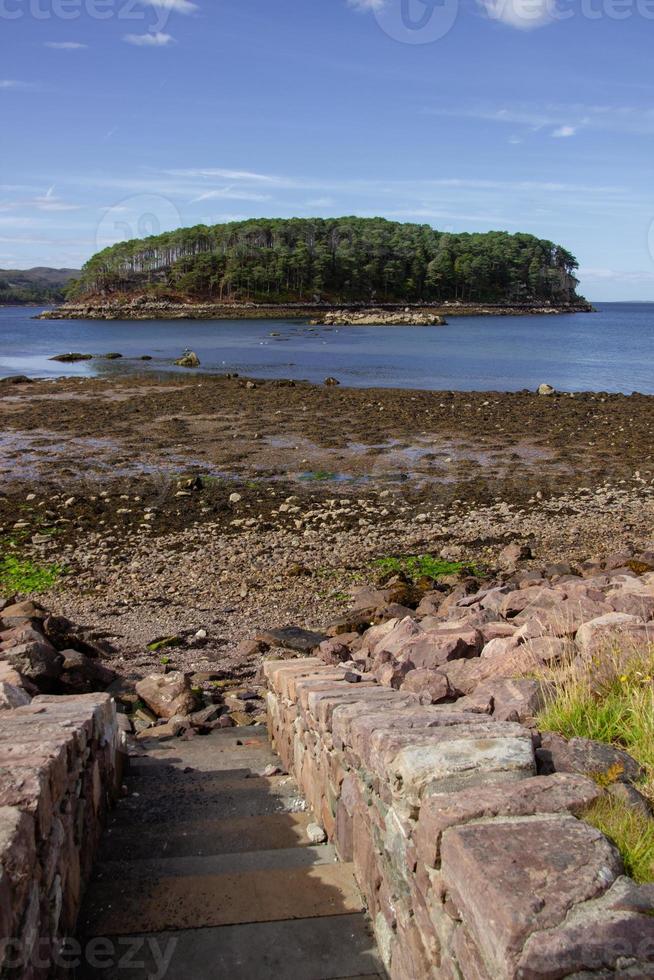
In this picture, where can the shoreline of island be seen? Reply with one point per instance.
(141, 308)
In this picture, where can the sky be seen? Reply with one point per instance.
(122, 118)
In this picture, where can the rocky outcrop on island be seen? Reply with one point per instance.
(126, 307)
(381, 318)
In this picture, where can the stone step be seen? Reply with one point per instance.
(331, 948)
(205, 837)
(116, 907)
(291, 857)
(239, 796)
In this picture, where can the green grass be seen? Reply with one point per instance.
(25, 577)
(631, 832)
(164, 643)
(618, 710)
(420, 566)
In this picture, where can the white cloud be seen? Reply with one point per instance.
(366, 4)
(525, 15)
(65, 45)
(564, 131)
(179, 6)
(158, 40)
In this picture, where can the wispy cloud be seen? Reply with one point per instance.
(12, 83)
(230, 194)
(217, 172)
(40, 202)
(65, 45)
(635, 120)
(156, 40)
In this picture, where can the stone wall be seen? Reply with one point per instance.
(59, 770)
(471, 864)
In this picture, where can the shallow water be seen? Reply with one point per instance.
(612, 350)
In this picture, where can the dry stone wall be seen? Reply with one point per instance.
(59, 770)
(473, 866)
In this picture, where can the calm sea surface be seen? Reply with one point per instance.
(612, 350)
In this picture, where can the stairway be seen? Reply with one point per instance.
(206, 871)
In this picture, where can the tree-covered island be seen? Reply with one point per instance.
(333, 261)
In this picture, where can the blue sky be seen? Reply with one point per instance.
(124, 117)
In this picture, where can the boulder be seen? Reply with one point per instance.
(429, 685)
(433, 648)
(293, 638)
(82, 674)
(605, 629)
(188, 360)
(507, 699)
(512, 878)
(38, 661)
(513, 553)
(167, 695)
(545, 389)
(334, 651)
(583, 755)
(501, 644)
(12, 694)
(394, 640)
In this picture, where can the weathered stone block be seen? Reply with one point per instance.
(512, 878)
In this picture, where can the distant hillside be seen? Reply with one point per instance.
(39, 285)
(333, 260)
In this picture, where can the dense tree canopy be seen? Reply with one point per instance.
(335, 260)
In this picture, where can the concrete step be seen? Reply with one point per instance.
(239, 796)
(332, 948)
(116, 907)
(215, 864)
(205, 872)
(205, 837)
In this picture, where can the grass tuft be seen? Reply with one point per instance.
(631, 831)
(24, 577)
(421, 566)
(621, 712)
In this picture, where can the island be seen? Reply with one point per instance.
(319, 267)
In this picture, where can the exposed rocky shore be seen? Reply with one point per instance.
(127, 307)
(380, 318)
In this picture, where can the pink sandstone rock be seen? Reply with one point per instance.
(167, 694)
(429, 685)
(560, 793)
(511, 878)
